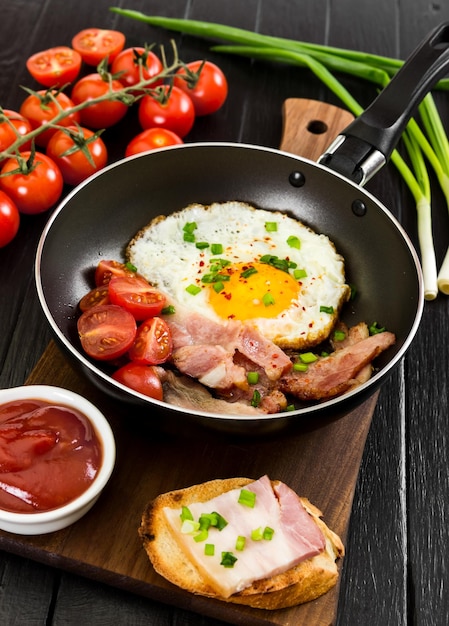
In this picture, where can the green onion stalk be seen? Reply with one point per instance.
(322, 60)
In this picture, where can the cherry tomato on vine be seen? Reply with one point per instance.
(152, 139)
(142, 378)
(55, 67)
(153, 343)
(175, 112)
(210, 90)
(102, 114)
(106, 332)
(128, 63)
(108, 269)
(9, 219)
(40, 110)
(94, 44)
(36, 190)
(9, 130)
(75, 166)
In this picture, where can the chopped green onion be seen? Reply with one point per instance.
(339, 335)
(268, 299)
(240, 543)
(300, 367)
(189, 527)
(228, 559)
(257, 534)
(218, 264)
(216, 248)
(271, 227)
(129, 266)
(275, 261)
(168, 310)
(252, 378)
(209, 549)
(185, 514)
(290, 407)
(353, 289)
(324, 353)
(201, 536)
(214, 278)
(326, 309)
(298, 274)
(189, 237)
(217, 287)
(294, 242)
(201, 245)
(268, 533)
(193, 290)
(206, 520)
(247, 498)
(249, 272)
(308, 357)
(374, 329)
(189, 227)
(255, 400)
(221, 522)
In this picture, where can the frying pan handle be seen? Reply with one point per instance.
(367, 143)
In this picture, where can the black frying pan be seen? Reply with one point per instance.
(98, 218)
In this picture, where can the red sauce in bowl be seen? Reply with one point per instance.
(49, 455)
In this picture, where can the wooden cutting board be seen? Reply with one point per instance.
(319, 459)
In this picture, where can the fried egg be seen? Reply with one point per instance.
(231, 261)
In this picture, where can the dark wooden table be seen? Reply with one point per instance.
(396, 570)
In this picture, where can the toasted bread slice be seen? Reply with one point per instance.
(304, 582)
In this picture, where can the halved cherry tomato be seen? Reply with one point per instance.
(130, 61)
(152, 139)
(153, 343)
(175, 113)
(141, 378)
(9, 219)
(137, 296)
(112, 269)
(210, 90)
(106, 331)
(74, 166)
(40, 110)
(103, 114)
(55, 67)
(94, 44)
(11, 128)
(37, 190)
(94, 297)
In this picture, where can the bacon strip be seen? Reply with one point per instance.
(333, 375)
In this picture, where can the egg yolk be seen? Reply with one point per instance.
(249, 294)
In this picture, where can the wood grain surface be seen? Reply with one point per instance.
(319, 460)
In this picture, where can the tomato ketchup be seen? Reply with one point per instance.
(49, 455)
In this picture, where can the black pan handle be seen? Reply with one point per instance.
(367, 143)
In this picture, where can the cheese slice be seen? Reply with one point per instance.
(296, 537)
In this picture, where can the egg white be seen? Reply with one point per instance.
(160, 253)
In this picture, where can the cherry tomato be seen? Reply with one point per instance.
(9, 219)
(102, 114)
(211, 89)
(141, 378)
(55, 67)
(128, 63)
(94, 44)
(95, 297)
(9, 130)
(152, 139)
(137, 296)
(176, 114)
(40, 110)
(106, 331)
(153, 343)
(112, 269)
(37, 190)
(75, 166)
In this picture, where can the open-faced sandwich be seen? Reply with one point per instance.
(238, 540)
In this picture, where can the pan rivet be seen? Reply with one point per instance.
(359, 208)
(297, 179)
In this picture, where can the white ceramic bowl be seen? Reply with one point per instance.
(55, 519)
